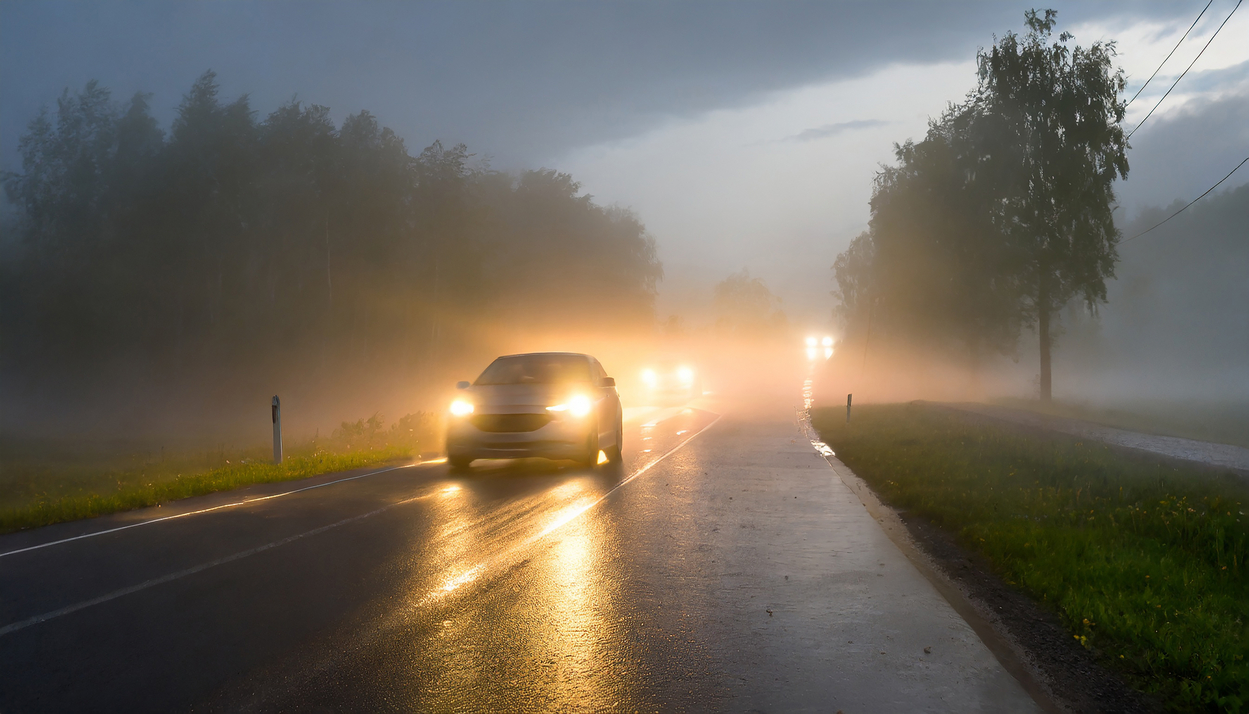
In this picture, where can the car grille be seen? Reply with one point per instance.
(510, 422)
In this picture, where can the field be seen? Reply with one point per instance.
(1143, 559)
(45, 481)
(1221, 423)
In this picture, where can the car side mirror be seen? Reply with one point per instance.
(462, 385)
(608, 381)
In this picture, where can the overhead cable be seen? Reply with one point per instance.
(1173, 215)
(1173, 49)
(1190, 66)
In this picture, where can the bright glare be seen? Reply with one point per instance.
(811, 342)
(686, 374)
(578, 406)
(461, 407)
(602, 457)
(828, 353)
(811, 352)
(828, 342)
(649, 377)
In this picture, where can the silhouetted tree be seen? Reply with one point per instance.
(1002, 214)
(745, 306)
(1053, 143)
(245, 246)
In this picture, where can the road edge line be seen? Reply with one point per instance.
(205, 510)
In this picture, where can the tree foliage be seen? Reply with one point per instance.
(236, 240)
(746, 307)
(1003, 213)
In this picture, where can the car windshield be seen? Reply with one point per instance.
(536, 369)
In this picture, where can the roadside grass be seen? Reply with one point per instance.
(1142, 559)
(44, 482)
(1222, 423)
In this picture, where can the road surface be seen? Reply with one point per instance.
(723, 567)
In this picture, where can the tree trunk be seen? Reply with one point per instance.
(1043, 327)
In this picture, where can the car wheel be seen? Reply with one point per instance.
(589, 458)
(459, 463)
(614, 453)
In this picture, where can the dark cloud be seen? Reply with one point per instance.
(827, 130)
(1175, 157)
(525, 81)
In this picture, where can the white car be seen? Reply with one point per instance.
(556, 405)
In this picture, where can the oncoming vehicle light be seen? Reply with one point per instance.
(811, 342)
(649, 377)
(461, 407)
(579, 405)
(686, 374)
(827, 342)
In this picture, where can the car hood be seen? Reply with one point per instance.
(515, 395)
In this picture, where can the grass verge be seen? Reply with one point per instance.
(1142, 559)
(44, 482)
(1221, 423)
(87, 505)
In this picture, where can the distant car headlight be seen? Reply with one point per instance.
(579, 405)
(827, 342)
(686, 375)
(811, 342)
(649, 377)
(461, 407)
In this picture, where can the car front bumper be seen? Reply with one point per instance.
(562, 438)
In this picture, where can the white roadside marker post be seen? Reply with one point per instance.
(277, 430)
(849, 397)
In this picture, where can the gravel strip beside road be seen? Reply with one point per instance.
(1221, 455)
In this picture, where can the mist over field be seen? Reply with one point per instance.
(170, 261)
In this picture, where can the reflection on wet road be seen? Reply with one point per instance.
(721, 566)
(453, 536)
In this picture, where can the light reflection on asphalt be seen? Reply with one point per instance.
(558, 637)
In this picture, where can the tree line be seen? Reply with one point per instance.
(1003, 213)
(235, 241)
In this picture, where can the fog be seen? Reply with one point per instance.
(636, 181)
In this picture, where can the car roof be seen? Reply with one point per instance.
(548, 354)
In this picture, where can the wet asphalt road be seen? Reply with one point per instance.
(723, 566)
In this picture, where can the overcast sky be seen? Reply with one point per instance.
(743, 134)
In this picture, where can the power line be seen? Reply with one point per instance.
(1190, 66)
(1173, 49)
(1173, 215)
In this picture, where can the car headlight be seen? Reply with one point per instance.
(579, 405)
(827, 342)
(686, 375)
(811, 342)
(461, 407)
(649, 377)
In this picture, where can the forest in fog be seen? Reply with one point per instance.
(233, 253)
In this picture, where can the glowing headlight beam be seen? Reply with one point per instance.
(578, 406)
(827, 342)
(461, 407)
(686, 375)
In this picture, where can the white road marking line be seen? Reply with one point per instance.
(570, 516)
(23, 624)
(652, 464)
(204, 510)
(35, 620)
